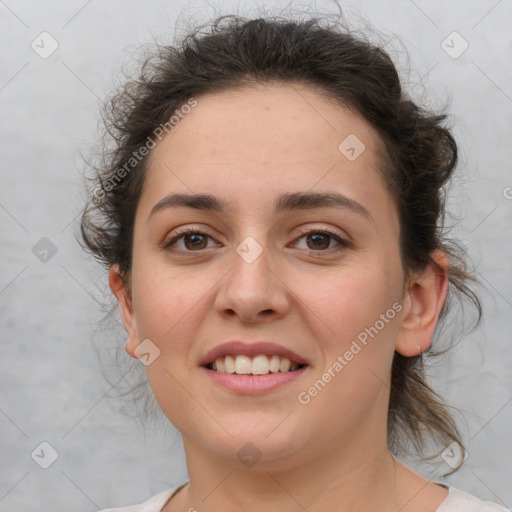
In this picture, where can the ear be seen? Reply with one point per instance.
(422, 305)
(120, 289)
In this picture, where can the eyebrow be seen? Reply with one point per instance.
(285, 203)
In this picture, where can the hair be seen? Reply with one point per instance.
(418, 159)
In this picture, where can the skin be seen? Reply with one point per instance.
(249, 146)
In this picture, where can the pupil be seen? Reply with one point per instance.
(316, 238)
(195, 239)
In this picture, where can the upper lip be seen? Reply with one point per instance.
(251, 350)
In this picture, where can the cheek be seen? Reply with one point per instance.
(165, 299)
(167, 305)
(346, 301)
(359, 314)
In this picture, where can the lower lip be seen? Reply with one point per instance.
(254, 384)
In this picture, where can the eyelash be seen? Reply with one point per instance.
(343, 244)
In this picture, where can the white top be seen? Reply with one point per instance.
(456, 501)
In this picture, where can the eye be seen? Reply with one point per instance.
(189, 241)
(320, 241)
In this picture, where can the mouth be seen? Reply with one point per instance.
(261, 364)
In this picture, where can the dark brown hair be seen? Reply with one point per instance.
(419, 157)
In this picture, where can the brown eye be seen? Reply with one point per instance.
(189, 241)
(318, 241)
(321, 241)
(196, 241)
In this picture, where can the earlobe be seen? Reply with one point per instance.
(422, 306)
(118, 285)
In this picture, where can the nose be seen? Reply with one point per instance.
(253, 290)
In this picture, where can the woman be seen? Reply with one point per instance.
(272, 220)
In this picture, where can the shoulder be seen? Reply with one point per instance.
(461, 501)
(154, 504)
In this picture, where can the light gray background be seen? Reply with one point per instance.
(52, 386)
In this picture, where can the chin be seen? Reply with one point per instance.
(259, 446)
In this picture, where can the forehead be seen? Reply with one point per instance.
(260, 140)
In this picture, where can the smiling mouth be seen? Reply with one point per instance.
(258, 365)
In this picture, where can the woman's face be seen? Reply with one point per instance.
(320, 278)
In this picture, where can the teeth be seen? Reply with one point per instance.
(259, 365)
(275, 364)
(284, 365)
(219, 365)
(229, 364)
(243, 365)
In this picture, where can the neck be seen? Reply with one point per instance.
(356, 479)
